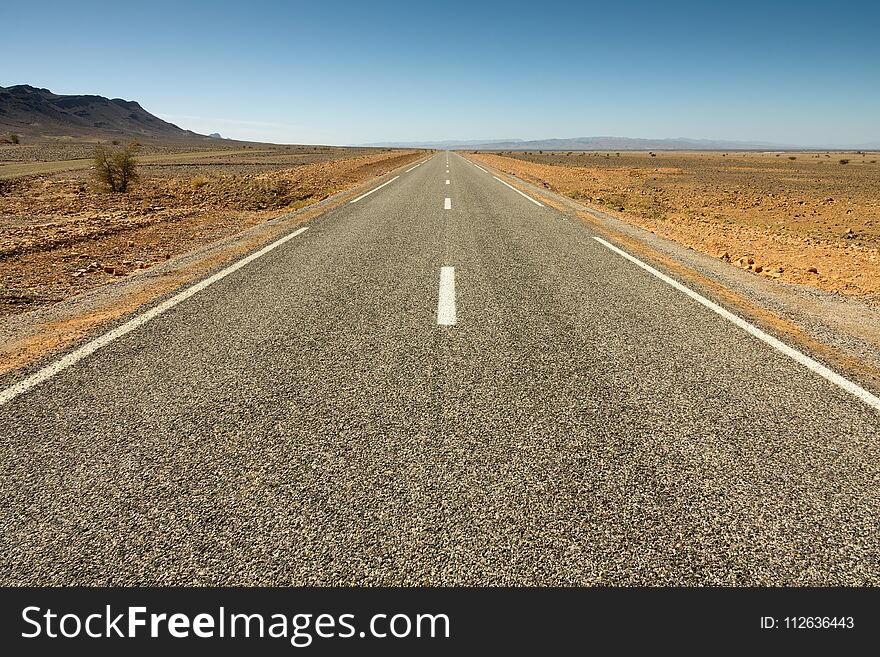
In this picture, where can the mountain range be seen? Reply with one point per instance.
(39, 113)
(608, 144)
(590, 144)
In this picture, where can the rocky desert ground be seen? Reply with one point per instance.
(804, 218)
(61, 233)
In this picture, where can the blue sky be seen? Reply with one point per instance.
(354, 72)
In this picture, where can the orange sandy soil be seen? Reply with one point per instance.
(797, 217)
(63, 234)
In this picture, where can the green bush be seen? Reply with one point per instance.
(116, 168)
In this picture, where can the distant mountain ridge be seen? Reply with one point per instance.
(617, 144)
(34, 112)
(591, 144)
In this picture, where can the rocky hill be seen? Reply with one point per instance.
(39, 113)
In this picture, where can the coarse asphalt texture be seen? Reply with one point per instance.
(305, 421)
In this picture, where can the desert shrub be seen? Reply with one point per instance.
(844, 161)
(116, 168)
(199, 181)
(792, 157)
(14, 138)
(115, 142)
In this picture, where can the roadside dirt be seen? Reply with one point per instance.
(62, 234)
(802, 218)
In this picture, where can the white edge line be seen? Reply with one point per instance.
(794, 354)
(519, 192)
(74, 357)
(375, 189)
(480, 168)
(417, 166)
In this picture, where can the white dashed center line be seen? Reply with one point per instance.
(447, 182)
(447, 204)
(446, 300)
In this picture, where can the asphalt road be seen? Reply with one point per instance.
(407, 394)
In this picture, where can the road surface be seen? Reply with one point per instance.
(441, 382)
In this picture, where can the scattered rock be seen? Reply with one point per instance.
(812, 270)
